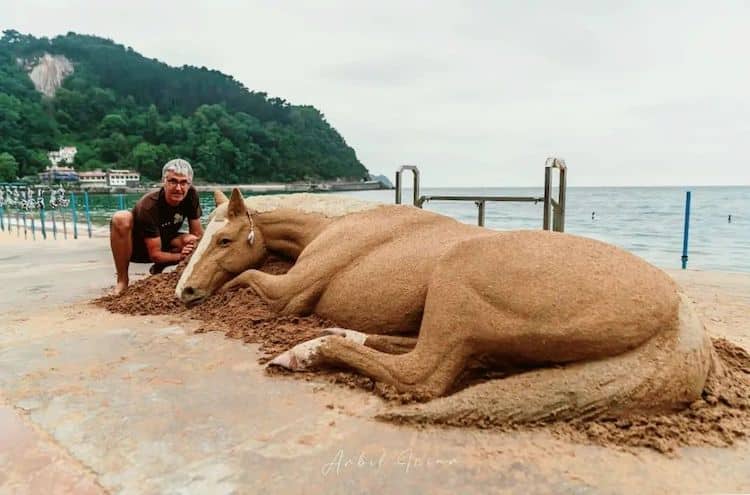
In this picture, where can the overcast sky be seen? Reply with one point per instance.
(474, 93)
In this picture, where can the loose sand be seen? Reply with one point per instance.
(720, 418)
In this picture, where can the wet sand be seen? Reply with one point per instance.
(142, 404)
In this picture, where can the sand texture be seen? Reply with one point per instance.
(720, 417)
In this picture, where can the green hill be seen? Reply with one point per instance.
(123, 110)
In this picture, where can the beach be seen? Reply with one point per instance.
(97, 402)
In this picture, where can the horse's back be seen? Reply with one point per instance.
(565, 297)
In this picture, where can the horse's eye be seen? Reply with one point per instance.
(225, 241)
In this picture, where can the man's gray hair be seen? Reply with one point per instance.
(178, 166)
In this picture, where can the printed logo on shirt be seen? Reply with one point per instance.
(177, 218)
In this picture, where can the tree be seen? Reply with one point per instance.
(8, 167)
(149, 159)
(113, 122)
(114, 147)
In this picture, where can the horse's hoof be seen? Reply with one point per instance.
(300, 357)
(352, 335)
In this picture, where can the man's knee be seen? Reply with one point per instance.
(122, 222)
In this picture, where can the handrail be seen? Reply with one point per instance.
(553, 208)
(480, 202)
(517, 199)
(415, 172)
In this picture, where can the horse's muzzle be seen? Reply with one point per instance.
(191, 297)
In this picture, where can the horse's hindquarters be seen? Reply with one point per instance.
(666, 373)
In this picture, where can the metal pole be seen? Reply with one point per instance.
(686, 231)
(547, 197)
(398, 187)
(25, 230)
(2, 221)
(415, 172)
(74, 214)
(18, 224)
(88, 213)
(121, 202)
(65, 224)
(480, 220)
(41, 219)
(54, 225)
(33, 226)
(560, 210)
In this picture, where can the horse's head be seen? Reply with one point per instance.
(230, 245)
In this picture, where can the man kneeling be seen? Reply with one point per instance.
(151, 231)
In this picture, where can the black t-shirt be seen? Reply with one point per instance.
(153, 217)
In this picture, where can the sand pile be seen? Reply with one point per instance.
(239, 314)
(720, 418)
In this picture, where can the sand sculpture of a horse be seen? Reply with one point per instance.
(420, 296)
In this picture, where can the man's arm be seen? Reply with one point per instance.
(153, 245)
(195, 227)
(196, 232)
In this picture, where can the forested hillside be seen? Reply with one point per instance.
(123, 110)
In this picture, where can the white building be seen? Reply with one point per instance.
(94, 178)
(58, 174)
(64, 155)
(123, 178)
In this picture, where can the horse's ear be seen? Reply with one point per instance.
(236, 206)
(220, 198)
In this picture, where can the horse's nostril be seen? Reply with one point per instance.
(189, 291)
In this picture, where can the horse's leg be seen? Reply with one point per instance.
(667, 372)
(430, 368)
(430, 374)
(265, 285)
(288, 293)
(390, 344)
(298, 290)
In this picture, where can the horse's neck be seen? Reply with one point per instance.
(287, 231)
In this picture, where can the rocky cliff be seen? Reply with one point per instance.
(48, 73)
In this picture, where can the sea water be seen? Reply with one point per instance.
(647, 221)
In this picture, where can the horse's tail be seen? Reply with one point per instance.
(665, 373)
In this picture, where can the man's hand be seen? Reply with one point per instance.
(186, 250)
(190, 239)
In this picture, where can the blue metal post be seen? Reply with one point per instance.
(41, 219)
(33, 226)
(88, 213)
(121, 202)
(54, 225)
(686, 231)
(2, 222)
(74, 214)
(65, 224)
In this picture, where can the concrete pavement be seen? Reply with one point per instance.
(93, 402)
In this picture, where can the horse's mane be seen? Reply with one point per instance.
(328, 205)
